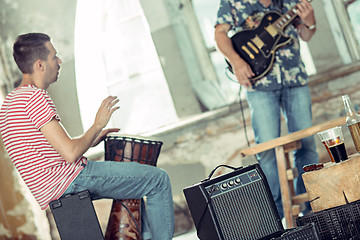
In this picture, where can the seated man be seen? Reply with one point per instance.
(52, 163)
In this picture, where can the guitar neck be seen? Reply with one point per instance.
(283, 21)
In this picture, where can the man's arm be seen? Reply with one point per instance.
(73, 148)
(307, 16)
(240, 68)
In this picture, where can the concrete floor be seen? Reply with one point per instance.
(103, 208)
(188, 236)
(193, 236)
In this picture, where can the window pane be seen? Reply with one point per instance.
(128, 47)
(145, 103)
(353, 10)
(115, 55)
(206, 12)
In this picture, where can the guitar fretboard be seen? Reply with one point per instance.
(285, 19)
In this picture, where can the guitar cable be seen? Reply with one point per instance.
(227, 70)
(243, 116)
(242, 111)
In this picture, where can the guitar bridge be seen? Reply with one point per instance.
(258, 42)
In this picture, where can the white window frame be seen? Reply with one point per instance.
(342, 30)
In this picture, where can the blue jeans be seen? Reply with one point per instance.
(266, 108)
(131, 180)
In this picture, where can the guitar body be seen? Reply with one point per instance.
(258, 46)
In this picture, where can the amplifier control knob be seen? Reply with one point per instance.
(224, 185)
(237, 180)
(231, 183)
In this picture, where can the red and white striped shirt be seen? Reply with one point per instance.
(24, 111)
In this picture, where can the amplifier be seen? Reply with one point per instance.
(236, 205)
(75, 217)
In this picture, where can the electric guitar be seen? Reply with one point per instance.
(257, 46)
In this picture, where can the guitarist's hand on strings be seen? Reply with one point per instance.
(240, 68)
(306, 13)
(307, 16)
(242, 71)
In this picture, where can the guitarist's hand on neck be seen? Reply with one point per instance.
(240, 68)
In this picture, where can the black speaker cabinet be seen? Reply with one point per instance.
(237, 205)
(75, 217)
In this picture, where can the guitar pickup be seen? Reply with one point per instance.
(271, 30)
(248, 52)
(253, 47)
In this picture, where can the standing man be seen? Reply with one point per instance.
(52, 164)
(283, 89)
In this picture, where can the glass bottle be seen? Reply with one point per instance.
(352, 121)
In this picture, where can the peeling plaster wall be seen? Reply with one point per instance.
(21, 217)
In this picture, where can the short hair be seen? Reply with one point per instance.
(28, 48)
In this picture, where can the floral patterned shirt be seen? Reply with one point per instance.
(288, 70)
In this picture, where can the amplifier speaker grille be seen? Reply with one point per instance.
(244, 212)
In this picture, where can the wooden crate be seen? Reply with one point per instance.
(334, 185)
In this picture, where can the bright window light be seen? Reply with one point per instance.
(115, 55)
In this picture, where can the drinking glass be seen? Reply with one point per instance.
(334, 140)
(323, 137)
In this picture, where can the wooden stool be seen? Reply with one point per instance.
(291, 203)
(283, 145)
